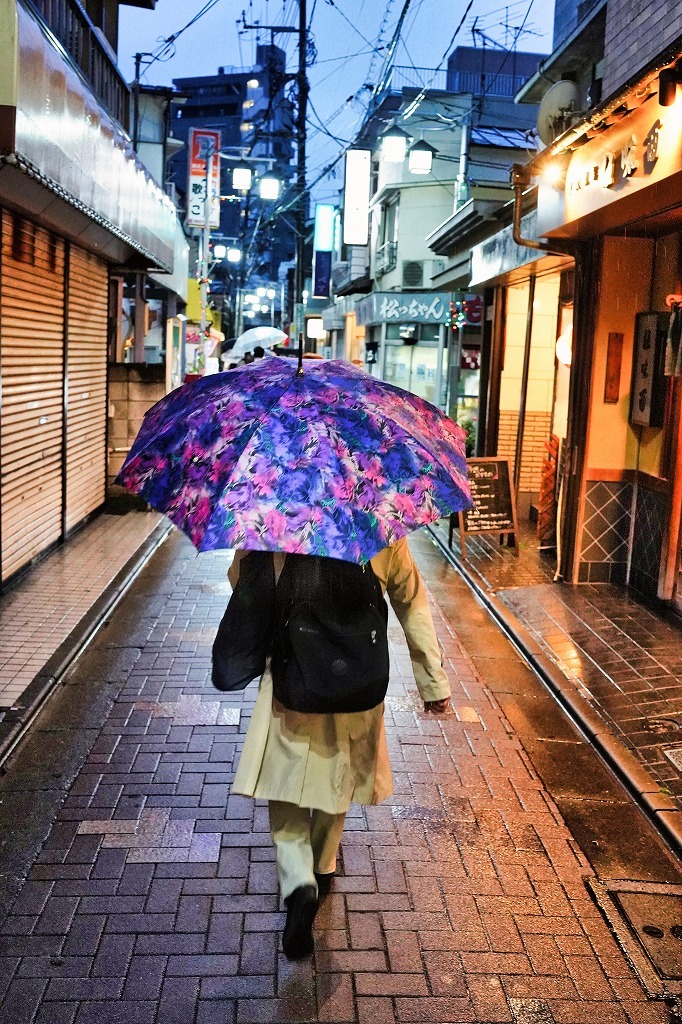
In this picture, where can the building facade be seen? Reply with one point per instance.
(609, 191)
(76, 206)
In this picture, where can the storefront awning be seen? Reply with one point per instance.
(64, 160)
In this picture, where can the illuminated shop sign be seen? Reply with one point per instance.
(613, 167)
(639, 151)
(404, 307)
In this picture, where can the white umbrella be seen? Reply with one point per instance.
(267, 337)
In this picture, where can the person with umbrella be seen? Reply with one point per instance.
(325, 461)
(311, 766)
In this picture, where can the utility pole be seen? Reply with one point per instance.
(136, 100)
(301, 200)
(303, 89)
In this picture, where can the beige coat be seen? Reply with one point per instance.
(327, 761)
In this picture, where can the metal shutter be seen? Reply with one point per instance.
(31, 365)
(87, 302)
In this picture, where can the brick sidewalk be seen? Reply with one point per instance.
(40, 611)
(154, 899)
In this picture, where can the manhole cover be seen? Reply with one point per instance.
(662, 725)
(657, 921)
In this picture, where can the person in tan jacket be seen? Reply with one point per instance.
(310, 767)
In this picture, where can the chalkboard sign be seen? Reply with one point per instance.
(492, 493)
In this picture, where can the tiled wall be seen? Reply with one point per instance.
(626, 48)
(133, 388)
(536, 432)
(606, 530)
(650, 517)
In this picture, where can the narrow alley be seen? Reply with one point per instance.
(151, 893)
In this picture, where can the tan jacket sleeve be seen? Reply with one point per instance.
(408, 597)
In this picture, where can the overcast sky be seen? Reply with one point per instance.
(351, 38)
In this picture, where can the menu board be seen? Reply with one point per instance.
(492, 492)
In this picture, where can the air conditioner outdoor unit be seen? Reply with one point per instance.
(413, 273)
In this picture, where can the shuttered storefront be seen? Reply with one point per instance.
(53, 366)
(86, 385)
(31, 364)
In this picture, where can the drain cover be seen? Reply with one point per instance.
(656, 919)
(674, 754)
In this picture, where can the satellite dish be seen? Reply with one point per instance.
(559, 108)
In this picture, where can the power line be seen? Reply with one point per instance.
(166, 49)
(417, 100)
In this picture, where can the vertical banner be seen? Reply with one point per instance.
(356, 197)
(323, 243)
(203, 142)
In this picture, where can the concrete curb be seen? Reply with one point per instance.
(661, 810)
(17, 721)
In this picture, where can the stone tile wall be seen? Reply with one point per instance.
(637, 30)
(606, 529)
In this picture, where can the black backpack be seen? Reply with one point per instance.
(329, 641)
(323, 624)
(244, 636)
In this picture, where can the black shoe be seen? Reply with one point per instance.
(324, 882)
(302, 907)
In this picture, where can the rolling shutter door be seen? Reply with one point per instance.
(87, 385)
(31, 364)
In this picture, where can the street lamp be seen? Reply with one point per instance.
(420, 158)
(394, 145)
(234, 255)
(269, 187)
(242, 177)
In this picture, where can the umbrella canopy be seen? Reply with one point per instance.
(264, 336)
(327, 461)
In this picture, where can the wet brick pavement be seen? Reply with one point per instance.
(622, 656)
(39, 611)
(154, 897)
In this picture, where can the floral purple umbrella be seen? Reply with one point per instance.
(326, 461)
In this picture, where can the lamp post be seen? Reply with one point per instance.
(269, 187)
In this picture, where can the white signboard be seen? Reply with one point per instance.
(204, 145)
(356, 197)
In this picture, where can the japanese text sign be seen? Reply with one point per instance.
(647, 396)
(204, 146)
(404, 307)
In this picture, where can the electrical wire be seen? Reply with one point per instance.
(167, 48)
(415, 102)
(376, 48)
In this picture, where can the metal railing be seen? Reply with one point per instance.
(386, 258)
(416, 78)
(69, 23)
(486, 82)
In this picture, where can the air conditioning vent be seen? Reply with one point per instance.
(413, 274)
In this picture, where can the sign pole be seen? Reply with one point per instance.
(205, 242)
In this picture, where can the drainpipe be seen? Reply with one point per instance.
(520, 179)
(462, 185)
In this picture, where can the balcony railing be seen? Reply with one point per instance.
(69, 23)
(386, 258)
(486, 83)
(417, 78)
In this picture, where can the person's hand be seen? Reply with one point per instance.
(438, 707)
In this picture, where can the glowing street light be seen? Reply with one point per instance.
(394, 145)
(242, 176)
(269, 187)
